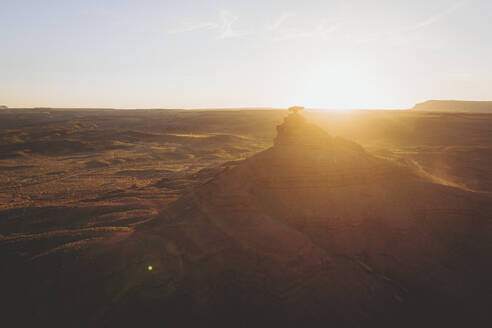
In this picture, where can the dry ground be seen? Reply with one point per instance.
(75, 182)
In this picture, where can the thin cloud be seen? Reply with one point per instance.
(190, 27)
(409, 34)
(223, 25)
(321, 31)
(280, 21)
(226, 29)
(438, 16)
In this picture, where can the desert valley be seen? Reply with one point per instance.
(245, 218)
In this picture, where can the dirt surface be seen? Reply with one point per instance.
(384, 222)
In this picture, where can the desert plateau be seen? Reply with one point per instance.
(125, 218)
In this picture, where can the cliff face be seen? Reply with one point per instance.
(317, 231)
(455, 106)
(295, 130)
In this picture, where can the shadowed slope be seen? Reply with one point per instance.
(317, 231)
(313, 231)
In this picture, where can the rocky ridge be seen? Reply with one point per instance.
(317, 231)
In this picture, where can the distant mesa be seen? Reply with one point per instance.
(455, 106)
(3, 107)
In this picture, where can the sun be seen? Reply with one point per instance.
(342, 87)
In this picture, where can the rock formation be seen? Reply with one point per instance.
(315, 231)
(296, 131)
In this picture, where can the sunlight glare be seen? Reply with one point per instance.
(343, 87)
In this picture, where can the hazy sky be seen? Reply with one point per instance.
(196, 54)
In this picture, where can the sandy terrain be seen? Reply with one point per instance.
(367, 218)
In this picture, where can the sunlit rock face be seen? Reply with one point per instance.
(295, 130)
(317, 231)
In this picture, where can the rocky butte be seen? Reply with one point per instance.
(314, 231)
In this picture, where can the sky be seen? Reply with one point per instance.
(216, 54)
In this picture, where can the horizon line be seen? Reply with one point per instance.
(199, 108)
